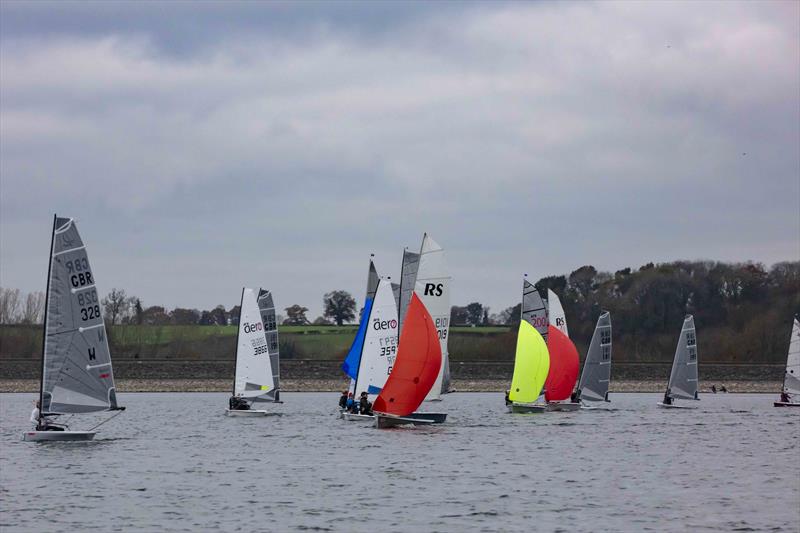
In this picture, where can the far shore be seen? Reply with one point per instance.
(335, 385)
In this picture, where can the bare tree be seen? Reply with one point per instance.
(9, 305)
(116, 306)
(33, 309)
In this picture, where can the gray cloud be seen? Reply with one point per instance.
(207, 146)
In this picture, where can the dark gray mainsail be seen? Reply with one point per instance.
(396, 293)
(593, 385)
(372, 280)
(683, 378)
(534, 311)
(76, 369)
(791, 379)
(408, 280)
(266, 308)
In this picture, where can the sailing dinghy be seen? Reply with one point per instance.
(683, 377)
(593, 386)
(77, 377)
(531, 366)
(254, 380)
(415, 372)
(791, 378)
(374, 357)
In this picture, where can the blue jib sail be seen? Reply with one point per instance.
(353, 359)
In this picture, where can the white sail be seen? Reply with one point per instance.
(555, 312)
(380, 343)
(533, 309)
(791, 380)
(76, 367)
(433, 288)
(683, 378)
(253, 369)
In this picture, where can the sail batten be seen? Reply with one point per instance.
(77, 375)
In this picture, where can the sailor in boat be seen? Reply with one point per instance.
(343, 400)
(714, 389)
(722, 388)
(667, 398)
(351, 403)
(508, 400)
(364, 405)
(43, 423)
(238, 404)
(786, 397)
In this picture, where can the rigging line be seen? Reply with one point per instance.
(104, 421)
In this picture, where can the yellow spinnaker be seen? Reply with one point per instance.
(531, 365)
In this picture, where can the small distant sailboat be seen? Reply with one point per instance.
(683, 378)
(416, 370)
(593, 386)
(266, 308)
(531, 366)
(373, 357)
(790, 395)
(77, 377)
(254, 379)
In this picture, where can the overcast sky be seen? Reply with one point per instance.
(204, 147)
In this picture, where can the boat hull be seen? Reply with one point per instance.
(675, 406)
(355, 417)
(785, 404)
(526, 408)
(58, 436)
(437, 418)
(601, 406)
(563, 406)
(249, 412)
(383, 421)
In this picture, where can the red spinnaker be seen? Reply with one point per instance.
(564, 365)
(416, 368)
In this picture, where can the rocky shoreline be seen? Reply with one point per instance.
(334, 385)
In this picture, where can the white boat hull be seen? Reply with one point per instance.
(383, 421)
(526, 408)
(250, 412)
(675, 406)
(563, 406)
(601, 406)
(61, 436)
(355, 417)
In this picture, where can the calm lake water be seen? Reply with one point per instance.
(173, 462)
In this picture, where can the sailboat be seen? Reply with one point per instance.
(254, 379)
(374, 357)
(593, 386)
(266, 308)
(531, 366)
(791, 378)
(415, 372)
(683, 378)
(432, 286)
(76, 377)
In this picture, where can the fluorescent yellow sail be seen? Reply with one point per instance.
(531, 365)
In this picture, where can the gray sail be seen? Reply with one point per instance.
(266, 308)
(372, 281)
(76, 371)
(446, 376)
(534, 310)
(593, 385)
(683, 378)
(396, 293)
(408, 279)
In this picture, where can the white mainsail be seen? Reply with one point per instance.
(555, 312)
(253, 369)
(76, 369)
(683, 378)
(593, 385)
(791, 379)
(433, 288)
(380, 343)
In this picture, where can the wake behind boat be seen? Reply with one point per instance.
(683, 377)
(77, 377)
(790, 394)
(254, 379)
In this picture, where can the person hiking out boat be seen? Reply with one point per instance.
(364, 405)
(43, 423)
(786, 397)
(238, 404)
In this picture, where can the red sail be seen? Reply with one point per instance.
(416, 368)
(564, 365)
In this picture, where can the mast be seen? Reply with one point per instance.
(238, 331)
(44, 324)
